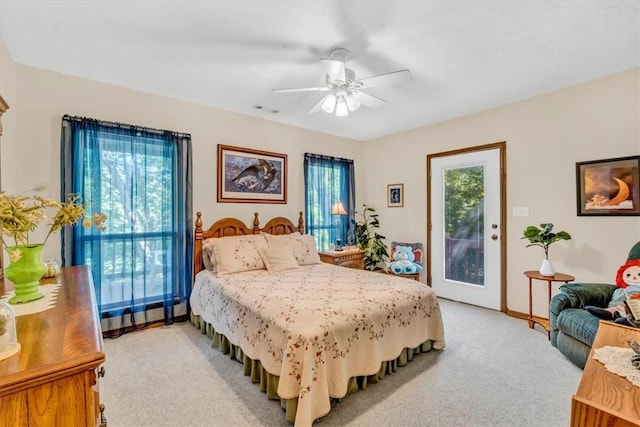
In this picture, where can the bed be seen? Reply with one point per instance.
(309, 333)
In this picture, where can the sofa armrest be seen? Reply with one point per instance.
(577, 295)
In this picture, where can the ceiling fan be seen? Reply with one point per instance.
(346, 93)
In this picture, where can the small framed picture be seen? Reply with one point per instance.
(395, 195)
(608, 187)
(251, 176)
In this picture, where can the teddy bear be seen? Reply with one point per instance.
(403, 261)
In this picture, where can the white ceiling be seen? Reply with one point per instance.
(465, 56)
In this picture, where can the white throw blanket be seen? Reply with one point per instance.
(318, 326)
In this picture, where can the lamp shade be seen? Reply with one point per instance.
(338, 209)
(341, 107)
(329, 104)
(352, 102)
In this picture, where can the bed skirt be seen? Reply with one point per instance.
(268, 383)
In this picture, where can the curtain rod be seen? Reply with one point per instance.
(126, 126)
(325, 157)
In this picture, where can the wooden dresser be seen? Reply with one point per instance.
(351, 258)
(53, 380)
(604, 398)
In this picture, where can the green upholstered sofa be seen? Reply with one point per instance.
(573, 328)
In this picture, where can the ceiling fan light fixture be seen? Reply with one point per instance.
(341, 108)
(344, 92)
(329, 104)
(352, 102)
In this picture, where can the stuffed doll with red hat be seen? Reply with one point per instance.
(623, 299)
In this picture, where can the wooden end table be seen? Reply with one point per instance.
(604, 398)
(348, 257)
(558, 277)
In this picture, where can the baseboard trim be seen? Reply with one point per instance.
(112, 327)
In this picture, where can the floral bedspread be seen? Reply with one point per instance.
(318, 326)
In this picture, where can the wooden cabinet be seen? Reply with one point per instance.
(53, 380)
(604, 398)
(351, 258)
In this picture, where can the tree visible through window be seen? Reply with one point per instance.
(328, 180)
(140, 178)
(464, 224)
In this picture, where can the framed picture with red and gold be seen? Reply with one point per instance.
(608, 187)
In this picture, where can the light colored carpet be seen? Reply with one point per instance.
(495, 371)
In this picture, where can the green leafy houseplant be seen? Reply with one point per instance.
(367, 238)
(544, 236)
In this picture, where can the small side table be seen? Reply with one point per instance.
(413, 276)
(558, 277)
(348, 257)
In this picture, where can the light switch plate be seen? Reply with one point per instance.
(521, 211)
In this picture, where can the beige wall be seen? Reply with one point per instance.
(545, 137)
(8, 90)
(30, 151)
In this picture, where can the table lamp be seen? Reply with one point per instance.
(338, 210)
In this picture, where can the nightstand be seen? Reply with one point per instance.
(351, 258)
(413, 276)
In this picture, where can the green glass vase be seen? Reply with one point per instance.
(26, 272)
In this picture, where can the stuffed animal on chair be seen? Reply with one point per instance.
(628, 281)
(403, 261)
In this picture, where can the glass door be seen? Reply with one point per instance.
(465, 213)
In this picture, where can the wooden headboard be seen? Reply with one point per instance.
(235, 227)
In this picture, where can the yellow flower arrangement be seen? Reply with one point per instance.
(22, 214)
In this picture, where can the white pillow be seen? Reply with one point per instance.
(278, 258)
(208, 255)
(238, 253)
(278, 239)
(303, 246)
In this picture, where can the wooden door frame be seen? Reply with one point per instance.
(502, 147)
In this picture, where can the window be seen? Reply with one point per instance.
(329, 180)
(141, 179)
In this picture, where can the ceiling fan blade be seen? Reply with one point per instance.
(318, 106)
(368, 101)
(388, 79)
(335, 69)
(302, 89)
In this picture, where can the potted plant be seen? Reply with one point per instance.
(367, 238)
(21, 215)
(544, 237)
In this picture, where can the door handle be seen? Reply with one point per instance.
(494, 237)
